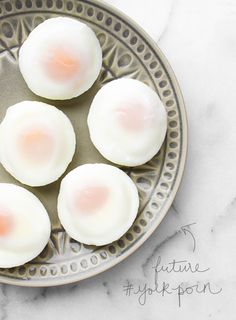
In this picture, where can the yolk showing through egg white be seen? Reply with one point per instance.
(36, 144)
(5, 222)
(134, 118)
(60, 64)
(91, 198)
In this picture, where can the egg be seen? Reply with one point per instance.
(60, 59)
(37, 142)
(97, 203)
(127, 122)
(24, 226)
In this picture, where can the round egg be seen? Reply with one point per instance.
(127, 122)
(97, 203)
(24, 226)
(37, 142)
(60, 59)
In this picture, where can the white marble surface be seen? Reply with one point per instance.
(199, 39)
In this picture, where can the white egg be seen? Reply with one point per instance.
(37, 142)
(97, 203)
(24, 226)
(60, 59)
(127, 122)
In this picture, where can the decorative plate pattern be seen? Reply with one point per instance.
(127, 52)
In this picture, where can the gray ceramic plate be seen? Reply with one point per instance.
(127, 52)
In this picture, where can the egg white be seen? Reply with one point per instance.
(109, 222)
(32, 113)
(115, 143)
(31, 226)
(74, 36)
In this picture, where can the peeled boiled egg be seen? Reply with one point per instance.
(127, 122)
(37, 142)
(60, 59)
(97, 203)
(24, 226)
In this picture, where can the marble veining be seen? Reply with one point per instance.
(198, 38)
(4, 303)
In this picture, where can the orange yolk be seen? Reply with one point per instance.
(133, 117)
(91, 199)
(60, 64)
(36, 144)
(5, 224)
